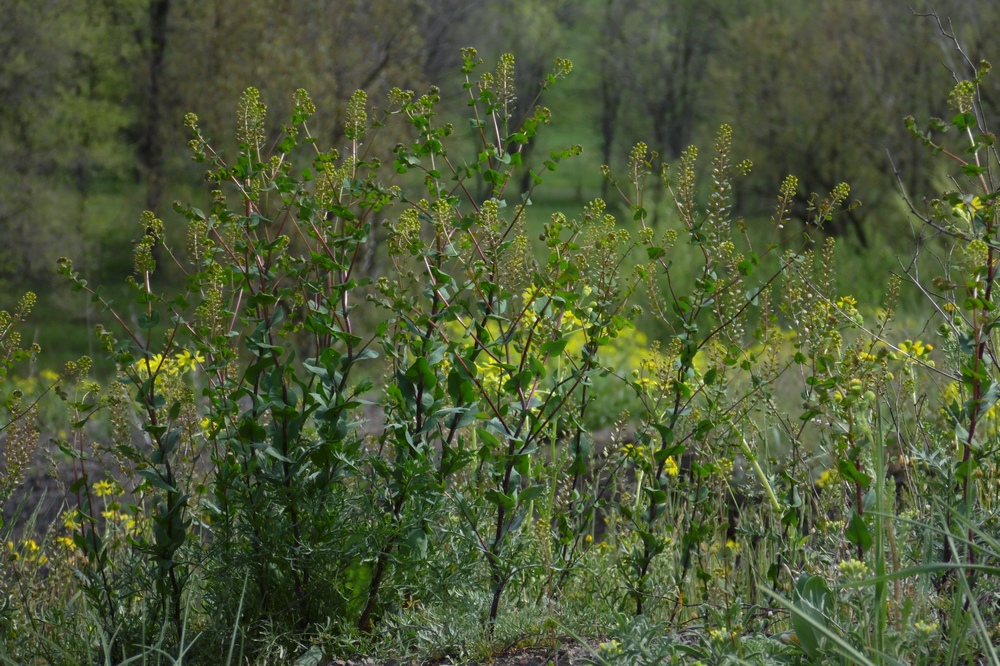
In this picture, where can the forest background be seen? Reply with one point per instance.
(93, 95)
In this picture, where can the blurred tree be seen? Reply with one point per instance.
(973, 26)
(668, 48)
(447, 26)
(94, 92)
(536, 33)
(611, 67)
(150, 144)
(61, 125)
(820, 93)
(651, 63)
(220, 47)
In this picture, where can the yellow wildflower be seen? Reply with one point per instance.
(70, 520)
(104, 488)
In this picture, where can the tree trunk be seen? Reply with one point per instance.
(151, 141)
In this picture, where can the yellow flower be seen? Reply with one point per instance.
(145, 366)
(70, 520)
(180, 363)
(66, 542)
(915, 348)
(104, 488)
(846, 302)
(853, 569)
(925, 630)
(186, 362)
(989, 421)
(967, 210)
(670, 467)
(826, 478)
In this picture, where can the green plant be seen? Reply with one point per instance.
(488, 356)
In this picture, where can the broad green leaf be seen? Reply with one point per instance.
(857, 532)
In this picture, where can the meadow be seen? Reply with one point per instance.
(413, 407)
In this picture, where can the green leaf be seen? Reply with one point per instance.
(857, 532)
(666, 434)
(531, 493)
(849, 471)
(415, 543)
(420, 373)
(581, 452)
(819, 629)
(493, 177)
(963, 121)
(501, 499)
(488, 438)
(813, 601)
(520, 381)
(460, 389)
(150, 320)
(554, 347)
(657, 495)
(156, 480)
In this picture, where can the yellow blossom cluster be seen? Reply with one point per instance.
(925, 630)
(853, 570)
(105, 488)
(721, 637)
(848, 307)
(915, 348)
(635, 453)
(174, 366)
(27, 551)
(827, 478)
(967, 210)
